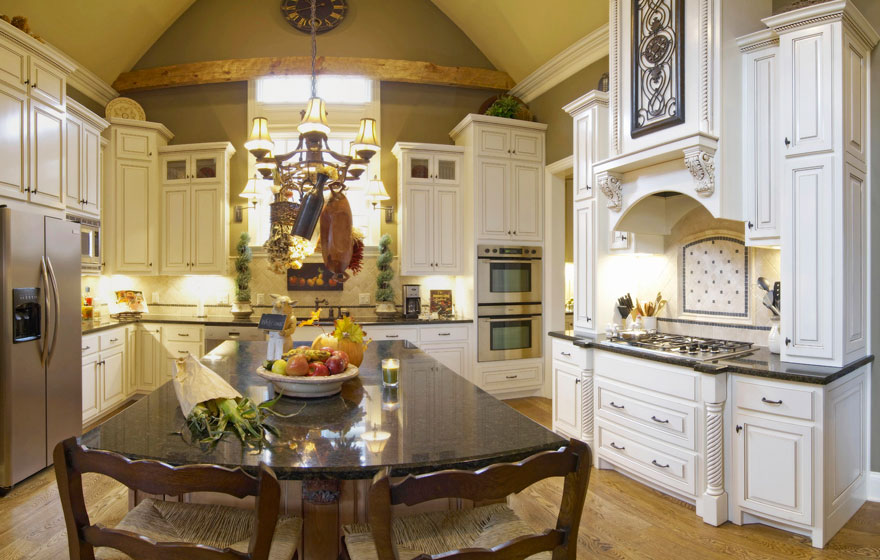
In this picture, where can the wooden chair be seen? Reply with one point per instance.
(164, 530)
(491, 532)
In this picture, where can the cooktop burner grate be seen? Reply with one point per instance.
(693, 347)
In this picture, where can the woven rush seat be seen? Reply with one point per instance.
(439, 532)
(212, 525)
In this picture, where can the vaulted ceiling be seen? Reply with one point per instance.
(109, 36)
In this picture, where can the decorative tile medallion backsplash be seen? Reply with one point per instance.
(715, 277)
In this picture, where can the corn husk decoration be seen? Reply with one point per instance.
(213, 408)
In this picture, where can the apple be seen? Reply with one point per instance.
(297, 366)
(328, 349)
(335, 365)
(317, 369)
(342, 355)
(304, 347)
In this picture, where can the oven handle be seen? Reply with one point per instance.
(491, 260)
(496, 319)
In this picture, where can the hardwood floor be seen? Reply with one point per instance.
(622, 519)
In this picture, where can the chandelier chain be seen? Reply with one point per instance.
(314, 24)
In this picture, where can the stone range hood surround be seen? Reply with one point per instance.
(699, 158)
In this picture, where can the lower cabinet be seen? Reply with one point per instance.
(453, 356)
(90, 387)
(150, 357)
(566, 400)
(105, 370)
(514, 376)
(112, 378)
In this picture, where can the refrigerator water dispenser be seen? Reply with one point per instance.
(25, 314)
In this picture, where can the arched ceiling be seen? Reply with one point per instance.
(518, 36)
(109, 36)
(105, 36)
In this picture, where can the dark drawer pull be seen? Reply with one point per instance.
(766, 400)
(444, 334)
(182, 352)
(618, 447)
(114, 340)
(392, 336)
(655, 419)
(182, 334)
(85, 348)
(233, 334)
(566, 354)
(616, 405)
(656, 464)
(511, 376)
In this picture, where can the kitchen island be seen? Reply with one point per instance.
(331, 448)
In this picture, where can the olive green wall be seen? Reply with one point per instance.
(547, 108)
(400, 29)
(569, 220)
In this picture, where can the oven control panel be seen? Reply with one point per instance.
(491, 251)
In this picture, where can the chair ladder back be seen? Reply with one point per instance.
(574, 494)
(267, 506)
(492, 482)
(516, 549)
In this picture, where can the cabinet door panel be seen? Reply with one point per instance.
(174, 169)
(526, 207)
(808, 101)
(447, 230)
(47, 155)
(175, 229)
(207, 229)
(132, 144)
(205, 168)
(774, 467)
(91, 164)
(447, 169)
(89, 388)
(73, 191)
(418, 168)
(527, 146)
(112, 380)
(418, 228)
(493, 199)
(585, 264)
(583, 137)
(855, 241)
(133, 251)
(13, 65)
(13, 141)
(47, 84)
(453, 357)
(150, 357)
(493, 142)
(760, 174)
(808, 257)
(566, 400)
(855, 102)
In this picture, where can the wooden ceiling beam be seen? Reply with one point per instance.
(243, 69)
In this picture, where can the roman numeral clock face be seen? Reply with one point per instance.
(329, 14)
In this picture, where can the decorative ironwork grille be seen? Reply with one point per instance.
(657, 65)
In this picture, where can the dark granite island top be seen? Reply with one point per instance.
(435, 420)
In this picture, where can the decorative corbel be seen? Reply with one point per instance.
(701, 163)
(609, 184)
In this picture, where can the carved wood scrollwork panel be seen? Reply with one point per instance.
(657, 65)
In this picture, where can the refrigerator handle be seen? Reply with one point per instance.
(44, 278)
(57, 311)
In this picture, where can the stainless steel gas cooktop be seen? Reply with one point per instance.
(691, 347)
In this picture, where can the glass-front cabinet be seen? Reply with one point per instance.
(435, 168)
(189, 168)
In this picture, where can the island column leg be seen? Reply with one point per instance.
(714, 499)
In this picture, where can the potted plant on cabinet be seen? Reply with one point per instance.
(384, 293)
(242, 309)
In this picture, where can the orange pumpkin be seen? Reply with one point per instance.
(354, 350)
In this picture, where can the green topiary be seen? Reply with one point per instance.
(243, 268)
(383, 278)
(505, 106)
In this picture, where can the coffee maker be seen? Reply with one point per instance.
(412, 301)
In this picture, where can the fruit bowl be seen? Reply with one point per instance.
(308, 387)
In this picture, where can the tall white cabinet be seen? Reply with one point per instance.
(194, 223)
(806, 172)
(429, 187)
(131, 221)
(85, 167)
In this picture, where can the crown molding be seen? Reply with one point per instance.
(567, 63)
(89, 84)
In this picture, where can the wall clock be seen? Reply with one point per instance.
(329, 14)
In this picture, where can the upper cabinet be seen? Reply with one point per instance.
(84, 160)
(131, 197)
(505, 160)
(431, 203)
(818, 151)
(589, 115)
(194, 202)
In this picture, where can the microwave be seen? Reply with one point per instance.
(90, 243)
(508, 274)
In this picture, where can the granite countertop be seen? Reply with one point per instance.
(760, 362)
(436, 420)
(89, 327)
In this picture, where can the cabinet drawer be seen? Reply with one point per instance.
(234, 333)
(567, 352)
(443, 333)
(773, 399)
(111, 339)
(89, 344)
(181, 349)
(393, 333)
(676, 381)
(512, 377)
(182, 333)
(660, 418)
(654, 460)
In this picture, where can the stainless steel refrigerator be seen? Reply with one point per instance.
(40, 340)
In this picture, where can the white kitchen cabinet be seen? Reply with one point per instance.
(112, 378)
(506, 160)
(47, 157)
(432, 206)
(567, 400)
(84, 162)
(515, 376)
(589, 115)
(761, 149)
(48, 83)
(90, 387)
(151, 357)
(585, 264)
(454, 356)
(194, 202)
(105, 367)
(14, 143)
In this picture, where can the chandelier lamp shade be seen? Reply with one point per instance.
(259, 143)
(252, 189)
(376, 193)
